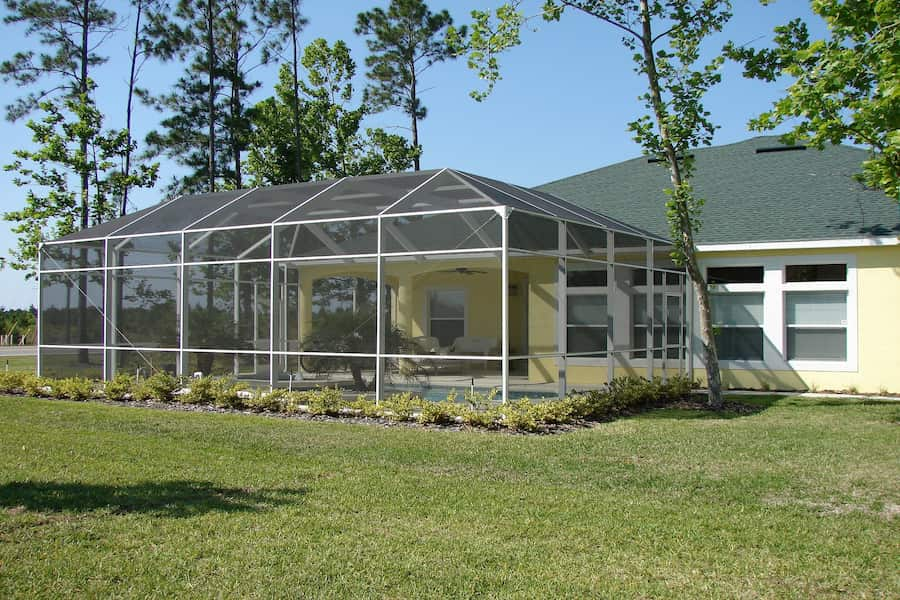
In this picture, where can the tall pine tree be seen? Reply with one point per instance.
(405, 41)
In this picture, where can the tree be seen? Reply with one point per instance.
(405, 41)
(51, 207)
(677, 120)
(331, 144)
(846, 88)
(68, 30)
(288, 23)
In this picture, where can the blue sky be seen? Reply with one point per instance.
(561, 108)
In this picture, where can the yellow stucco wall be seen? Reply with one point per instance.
(878, 330)
(878, 316)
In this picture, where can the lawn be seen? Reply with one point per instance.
(798, 500)
(18, 363)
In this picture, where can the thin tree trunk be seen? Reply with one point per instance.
(295, 99)
(83, 355)
(211, 98)
(413, 98)
(139, 7)
(711, 358)
(236, 110)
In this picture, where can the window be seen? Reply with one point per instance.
(816, 325)
(586, 323)
(726, 275)
(446, 315)
(830, 272)
(738, 317)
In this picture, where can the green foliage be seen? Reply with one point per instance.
(200, 390)
(845, 87)
(328, 141)
(18, 323)
(519, 414)
(69, 140)
(38, 387)
(405, 41)
(119, 388)
(365, 407)
(401, 407)
(73, 388)
(323, 401)
(228, 393)
(159, 386)
(275, 400)
(67, 34)
(440, 413)
(12, 381)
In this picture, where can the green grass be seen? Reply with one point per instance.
(795, 501)
(18, 363)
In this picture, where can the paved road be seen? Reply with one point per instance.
(18, 350)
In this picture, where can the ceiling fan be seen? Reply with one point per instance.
(463, 271)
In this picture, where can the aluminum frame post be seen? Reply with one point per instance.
(504, 303)
(562, 310)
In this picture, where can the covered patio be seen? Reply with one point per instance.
(426, 281)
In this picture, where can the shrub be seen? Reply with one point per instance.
(158, 386)
(275, 400)
(439, 413)
(323, 401)
(366, 407)
(36, 386)
(73, 388)
(488, 418)
(519, 414)
(199, 391)
(554, 412)
(400, 407)
(228, 393)
(11, 381)
(118, 388)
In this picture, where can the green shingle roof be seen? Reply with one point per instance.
(751, 196)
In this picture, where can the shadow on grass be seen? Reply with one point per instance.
(166, 499)
(733, 409)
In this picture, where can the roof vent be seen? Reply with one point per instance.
(779, 149)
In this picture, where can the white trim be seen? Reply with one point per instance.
(774, 288)
(802, 245)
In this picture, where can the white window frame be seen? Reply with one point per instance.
(774, 288)
(428, 318)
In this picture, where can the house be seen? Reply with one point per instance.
(425, 281)
(804, 261)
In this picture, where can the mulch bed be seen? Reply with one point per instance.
(729, 407)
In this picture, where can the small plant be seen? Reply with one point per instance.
(33, 385)
(323, 401)
(118, 388)
(519, 414)
(200, 391)
(228, 393)
(766, 386)
(554, 412)
(814, 387)
(400, 407)
(366, 407)
(439, 413)
(11, 382)
(159, 386)
(73, 388)
(487, 418)
(275, 400)
(852, 390)
(883, 391)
